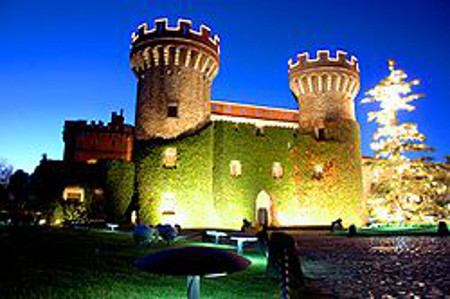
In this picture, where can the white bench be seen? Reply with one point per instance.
(216, 235)
(112, 226)
(241, 240)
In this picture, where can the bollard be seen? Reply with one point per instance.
(442, 229)
(352, 230)
(284, 265)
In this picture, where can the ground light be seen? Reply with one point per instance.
(193, 262)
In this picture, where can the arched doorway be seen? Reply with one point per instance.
(262, 209)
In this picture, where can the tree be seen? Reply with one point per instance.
(404, 189)
(18, 187)
(119, 187)
(6, 171)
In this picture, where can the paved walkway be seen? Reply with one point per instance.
(381, 267)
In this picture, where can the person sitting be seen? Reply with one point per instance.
(337, 225)
(246, 225)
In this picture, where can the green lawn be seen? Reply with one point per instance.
(38, 263)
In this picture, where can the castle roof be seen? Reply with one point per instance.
(258, 115)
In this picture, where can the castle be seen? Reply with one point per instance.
(203, 163)
(95, 141)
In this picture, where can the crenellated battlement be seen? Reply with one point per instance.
(175, 67)
(175, 46)
(183, 30)
(324, 74)
(323, 59)
(324, 86)
(115, 125)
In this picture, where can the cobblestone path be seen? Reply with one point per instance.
(381, 267)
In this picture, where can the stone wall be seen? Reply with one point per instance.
(324, 87)
(175, 68)
(161, 87)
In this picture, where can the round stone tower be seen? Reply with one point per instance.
(325, 88)
(175, 68)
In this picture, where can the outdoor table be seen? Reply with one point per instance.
(193, 262)
(241, 239)
(112, 226)
(216, 235)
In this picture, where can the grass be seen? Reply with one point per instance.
(50, 263)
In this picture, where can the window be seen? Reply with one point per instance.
(168, 203)
(320, 134)
(167, 209)
(134, 217)
(277, 170)
(259, 131)
(170, 157)
(172, 110)
(73, 194)
(235, 168)
(318, 172)
(99, 191)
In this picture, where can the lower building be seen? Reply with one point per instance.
(252, 163)
(92, 142)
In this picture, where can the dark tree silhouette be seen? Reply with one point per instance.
(6, 171)
(18, 188)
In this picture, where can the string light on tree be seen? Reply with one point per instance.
(404, 190)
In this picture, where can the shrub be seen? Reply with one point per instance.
(144, 235)
(119, 185)
(167, 232)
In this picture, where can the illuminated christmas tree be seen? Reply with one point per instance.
(404, 189)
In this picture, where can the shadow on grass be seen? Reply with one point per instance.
(51, 263)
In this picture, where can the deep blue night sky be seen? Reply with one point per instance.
(69, 59)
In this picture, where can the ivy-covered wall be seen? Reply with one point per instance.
(190, 181)
(338, 193)
(206, 195)
(235, 197)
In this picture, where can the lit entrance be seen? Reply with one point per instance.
(262, 209)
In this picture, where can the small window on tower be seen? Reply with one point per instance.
(318, 172)
(259, 131)
(235, 168)
(320, 134)
(170, 157)
(172, 111)
(277, 170)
